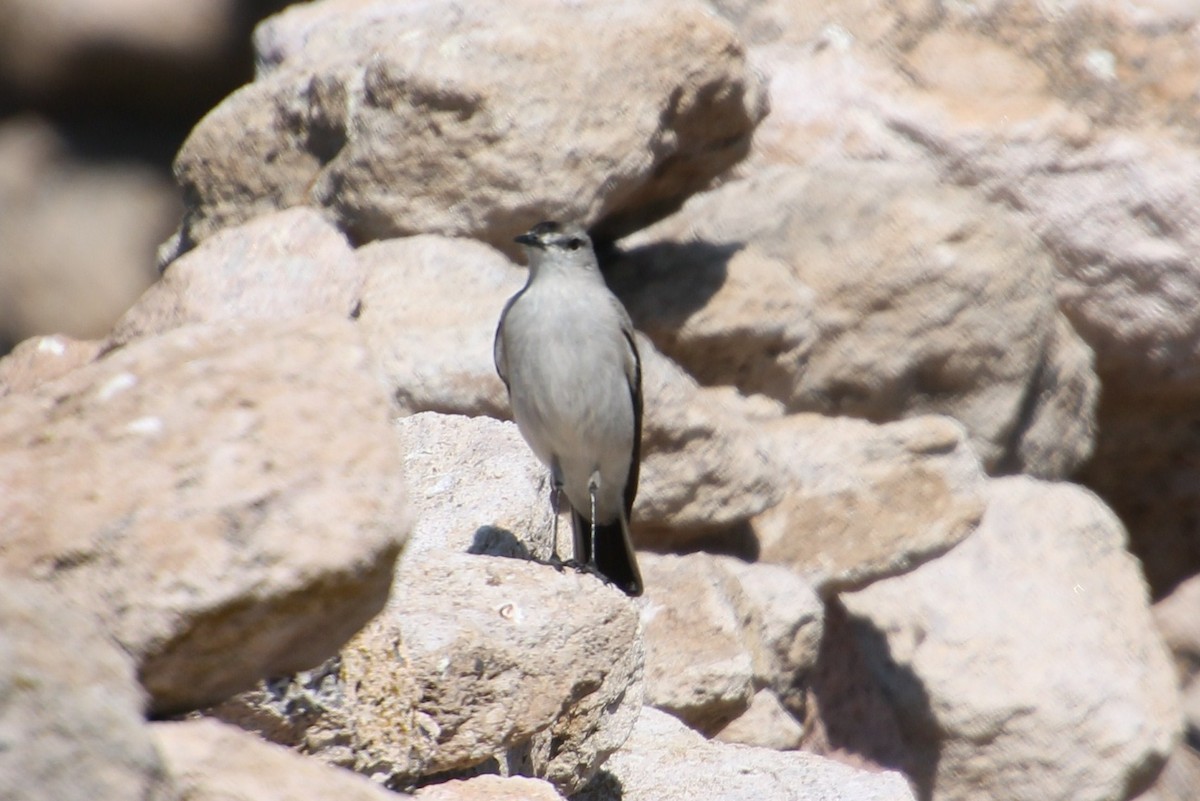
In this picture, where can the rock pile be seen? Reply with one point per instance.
(274, 537)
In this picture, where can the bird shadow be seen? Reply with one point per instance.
(499, 541)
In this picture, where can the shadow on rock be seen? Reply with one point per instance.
(693, 271)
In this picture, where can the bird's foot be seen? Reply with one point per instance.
(557, 563)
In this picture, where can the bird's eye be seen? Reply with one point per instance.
(574, 243)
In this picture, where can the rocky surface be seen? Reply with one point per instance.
(283, 490)
(396, 138)
(951, 645)
(664, 760)
(210, 761)
(70, 706)
(177, 485)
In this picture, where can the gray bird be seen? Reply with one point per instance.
(565, 350)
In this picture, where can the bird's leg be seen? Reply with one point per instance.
(593, 485)
(555, 495)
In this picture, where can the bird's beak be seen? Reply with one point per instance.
(528, 239)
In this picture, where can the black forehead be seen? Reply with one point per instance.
(547, 227)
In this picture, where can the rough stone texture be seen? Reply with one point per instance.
(70, 708)
(279, 266)
(40, 359)
(783, 620)
(699, 665)
(765, 724)
(210, 761)
(1024, 664)
(490, 788)
(475, 487)
(228, 498)
(702, 466)
(919, 298)
(866, 502)
(443, 680)
(79, 237)
(429, 314)
(665, 761)
(719, 630)
(359, 114)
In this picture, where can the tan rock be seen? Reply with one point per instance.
(865, 501)
(40, 359)
(429, 314)
(476, 658)
(79, 237)
(699, 663)
(466, 138)
(703, 468)
(1026, 659)
(210, 761)
(227, 497)
(718, 630)
(765, 724)
(475, 486)
(70, 706)
(280, 266)
(919, 299)
(664, 761)
(783, 620)
(490, 788)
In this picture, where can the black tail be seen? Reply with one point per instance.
(614, 556)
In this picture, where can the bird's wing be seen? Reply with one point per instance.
(633, 375)
(499, 357)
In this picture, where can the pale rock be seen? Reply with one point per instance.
(490, 788)
(765, 724)
(703, 469)
(229, 499)
(276, 267)
(665, 761)
(70, 707)
(475, 662)
(720, 630)
(1024, 664)
(40, 359)
(211, 761)
(429, 313)
(891, 295)
(475, 486)
(402, 119)
(866, 502)
(783, 621)
(699, 662)
(79, 236)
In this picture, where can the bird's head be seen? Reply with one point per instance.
(560, 244)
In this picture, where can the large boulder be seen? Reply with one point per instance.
(228, 498)
(401, 118)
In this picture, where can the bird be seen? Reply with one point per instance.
(565, 350)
